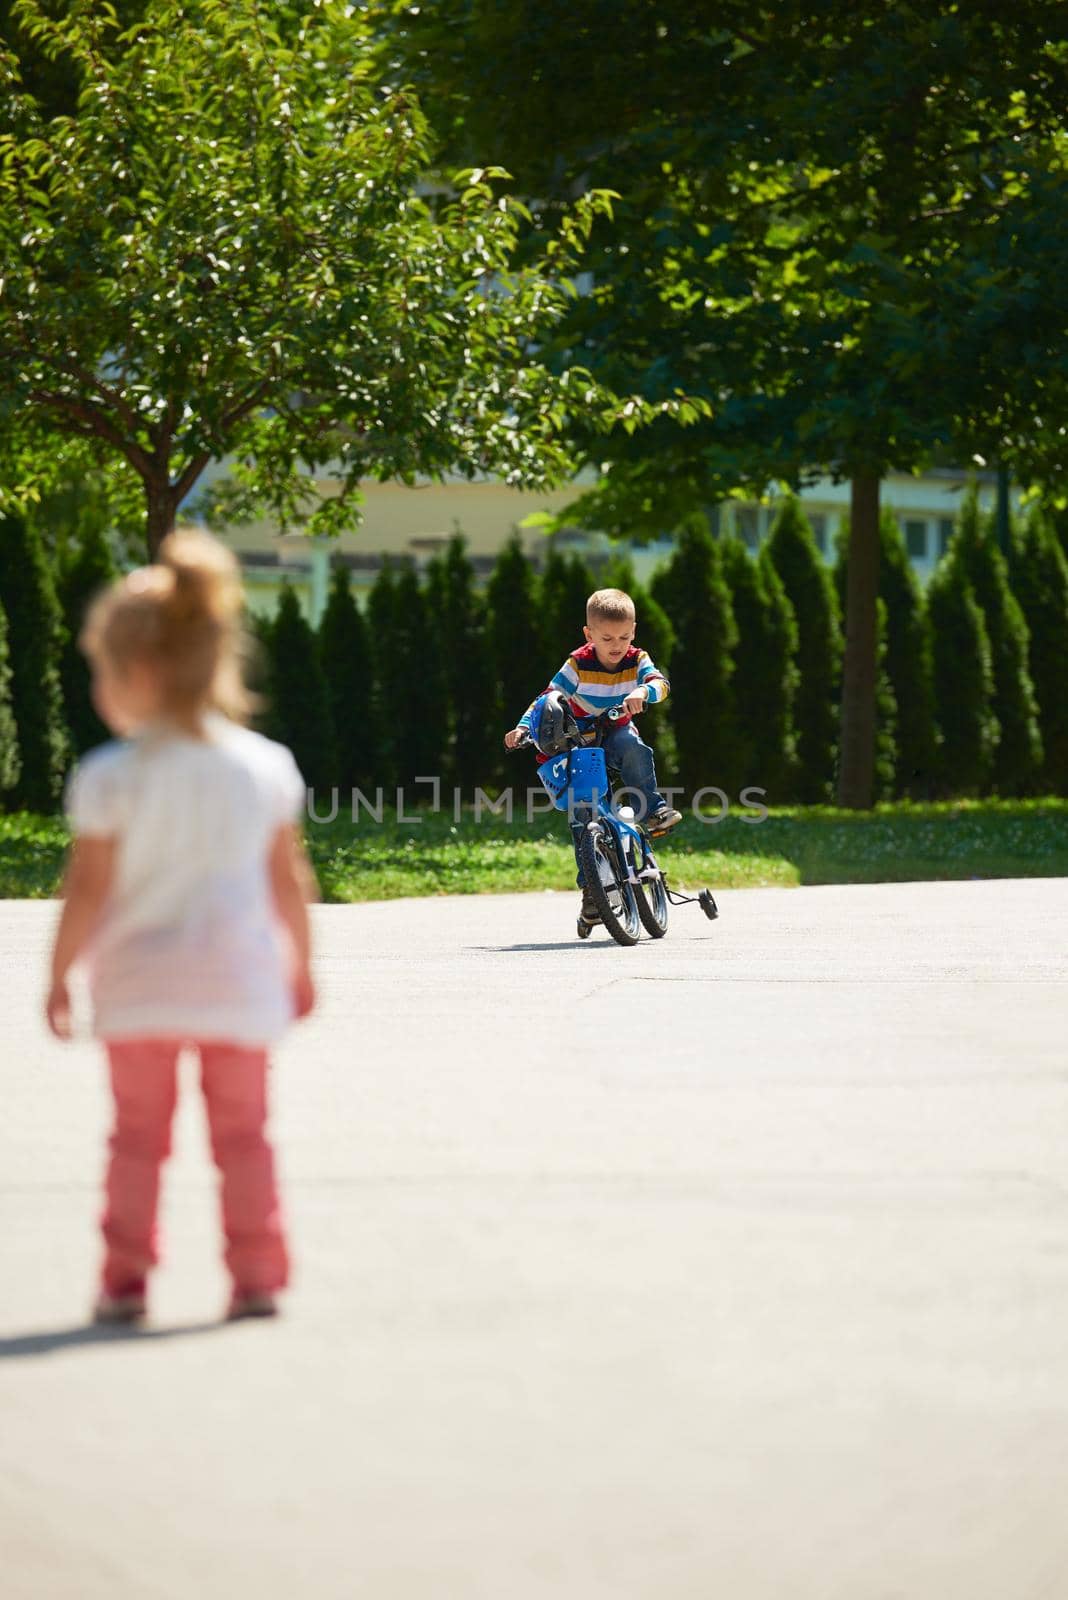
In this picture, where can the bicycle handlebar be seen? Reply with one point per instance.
(613, 714)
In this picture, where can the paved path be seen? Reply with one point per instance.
(734, 1266)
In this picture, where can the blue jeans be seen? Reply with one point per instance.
(626, 752)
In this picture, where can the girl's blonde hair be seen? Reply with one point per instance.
(181, 617)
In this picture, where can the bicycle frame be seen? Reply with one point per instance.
(587, 798)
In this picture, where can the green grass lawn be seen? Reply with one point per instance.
(816, 844)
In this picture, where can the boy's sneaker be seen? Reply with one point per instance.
(121, 1307)
(589, 912)
(247, 1303)
(662, 822)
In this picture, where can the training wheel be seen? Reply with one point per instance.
(708, 905)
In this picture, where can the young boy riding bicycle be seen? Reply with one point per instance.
(610, 671)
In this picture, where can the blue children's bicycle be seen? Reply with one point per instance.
(619, 868)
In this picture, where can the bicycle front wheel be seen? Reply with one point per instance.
(606, 879)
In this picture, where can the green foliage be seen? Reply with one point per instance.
(514, 630)
(345, 657)
(766, 675)
(963, 677)
(692, 591)
(229, 251)
(298, 710)
(9, 738)
(905, 646)
(1040, 584)
(566, 583)
(85, 567)
(1018, 759)
(461, 638)
(886, 715)
(791, 550)
(656, 635)
(35, 642)
(410, 675)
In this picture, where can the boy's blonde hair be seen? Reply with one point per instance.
(181, 617)
(609, 605)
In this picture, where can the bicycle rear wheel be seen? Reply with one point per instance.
(653, 906)
(606, 880)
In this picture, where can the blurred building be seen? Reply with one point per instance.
(414, 523)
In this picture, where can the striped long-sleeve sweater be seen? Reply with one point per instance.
(592, 688)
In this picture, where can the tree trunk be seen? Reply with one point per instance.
(161, 509)
(856, 774)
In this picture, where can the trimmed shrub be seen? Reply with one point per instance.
(517, 652)
(963, 678)
(345, 657)
(810, 590)
(765, 669)
(655, 635)
(886, 717)
(86, 568)
(692, 591)
(35, 641)
(1018, 758)
(1039, 573)
(9, 738)
(905, 652)
(459, 617)
(411, 679)
(298, 712)
(564, 587)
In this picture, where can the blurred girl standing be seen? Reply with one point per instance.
(186, 895)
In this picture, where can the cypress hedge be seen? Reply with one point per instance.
(565, 585)
(963, 678)
(345, 657)
(85, 568)
(35, 642)
(9, 738)
(810, 589)
(692, 591)
(1018, 757)
(1039, 572)
(298, 711)
(459, 615)
(766, 675)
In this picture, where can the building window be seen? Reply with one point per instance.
(945, 534)
(745, 521)
(916, 540)
(817, 521)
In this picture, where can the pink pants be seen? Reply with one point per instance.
(144, 1081)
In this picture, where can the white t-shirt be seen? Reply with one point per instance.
(189, 945)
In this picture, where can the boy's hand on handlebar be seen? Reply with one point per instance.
(515, 737)
(635, 703)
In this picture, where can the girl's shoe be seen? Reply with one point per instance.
(246, 1303)
(127, 1304)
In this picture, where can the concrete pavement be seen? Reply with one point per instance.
(730, 1266)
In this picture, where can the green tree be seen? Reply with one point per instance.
(9, 738)
(565, 585)
(905, 658)
(1040, 584)
(298, 710)
(197, 267)
(963, 681)
(765, 675)
(791, 550)
(35, 642)
(692, 592)
(837, 229)
(346, 659)
(1018, 758)
(461, 638)
(85, 567)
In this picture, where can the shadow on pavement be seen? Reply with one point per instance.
(51, 1339)
(562, 944)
